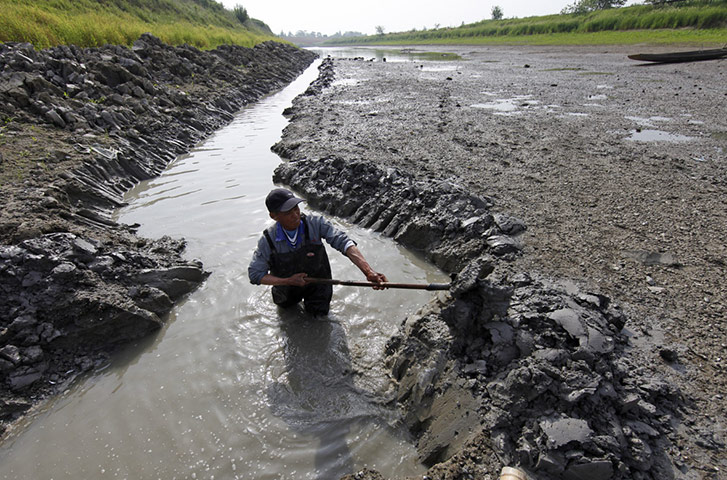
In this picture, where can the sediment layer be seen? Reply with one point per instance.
(79, 128)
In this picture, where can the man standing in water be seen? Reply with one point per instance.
(292, 250)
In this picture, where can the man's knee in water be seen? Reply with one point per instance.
(287, 297)
(318, 299)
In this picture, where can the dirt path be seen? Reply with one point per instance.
(616, 168)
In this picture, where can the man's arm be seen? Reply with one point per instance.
(340, 241)
(355, 255)
(297, 280)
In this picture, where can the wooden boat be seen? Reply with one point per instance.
(674, 57)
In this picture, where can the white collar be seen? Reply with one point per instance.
(292, 239)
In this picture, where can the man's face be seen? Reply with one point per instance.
(289, 220)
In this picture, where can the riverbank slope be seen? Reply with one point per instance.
(79, 127)
(598, 352)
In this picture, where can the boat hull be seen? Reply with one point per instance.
(675, 57)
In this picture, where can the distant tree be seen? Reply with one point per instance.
(585, 6)
(497, 13)
(241, 13)
(437, 25)
(379, 30)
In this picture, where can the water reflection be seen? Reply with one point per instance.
(317, 395)
(386, 54)
(314, 400)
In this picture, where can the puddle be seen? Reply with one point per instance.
(508, 106)
(387, 54)
(648, 122)
(649, 135)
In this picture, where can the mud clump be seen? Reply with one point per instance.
(79, 127)
(542, 371)
(70, 294)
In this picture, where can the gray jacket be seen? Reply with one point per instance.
(320, 228)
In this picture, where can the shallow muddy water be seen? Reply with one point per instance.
(387, 54)
(232, 387)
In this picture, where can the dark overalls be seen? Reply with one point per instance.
(311, 258)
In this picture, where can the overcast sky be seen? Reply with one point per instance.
(331, 16)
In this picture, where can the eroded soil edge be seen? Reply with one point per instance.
(79, 128)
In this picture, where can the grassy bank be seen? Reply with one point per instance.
(88, 23)
(701, 21)
(702, 38)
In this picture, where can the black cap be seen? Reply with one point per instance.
(281, 200)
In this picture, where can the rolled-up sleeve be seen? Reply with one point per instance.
(260, 263)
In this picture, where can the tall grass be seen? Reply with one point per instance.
(89, 23)
(619, 25)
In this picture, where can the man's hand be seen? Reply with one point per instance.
(297, 280)
(376, 277)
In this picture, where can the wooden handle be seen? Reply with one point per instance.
(352, 283)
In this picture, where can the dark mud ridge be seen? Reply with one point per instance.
(80, 127)
(506, 369)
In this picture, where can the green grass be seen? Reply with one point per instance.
(88, 23)
(662, 36)
(697, 21)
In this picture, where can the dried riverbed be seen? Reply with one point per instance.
(617, 170)
(579, 196)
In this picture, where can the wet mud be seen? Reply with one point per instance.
(587, 341)
(79, 128)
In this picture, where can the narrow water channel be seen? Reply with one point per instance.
(231, 387)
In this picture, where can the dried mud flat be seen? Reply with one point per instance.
(617, 169)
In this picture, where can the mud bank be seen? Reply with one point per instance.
(79, 128)
(548, 355)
